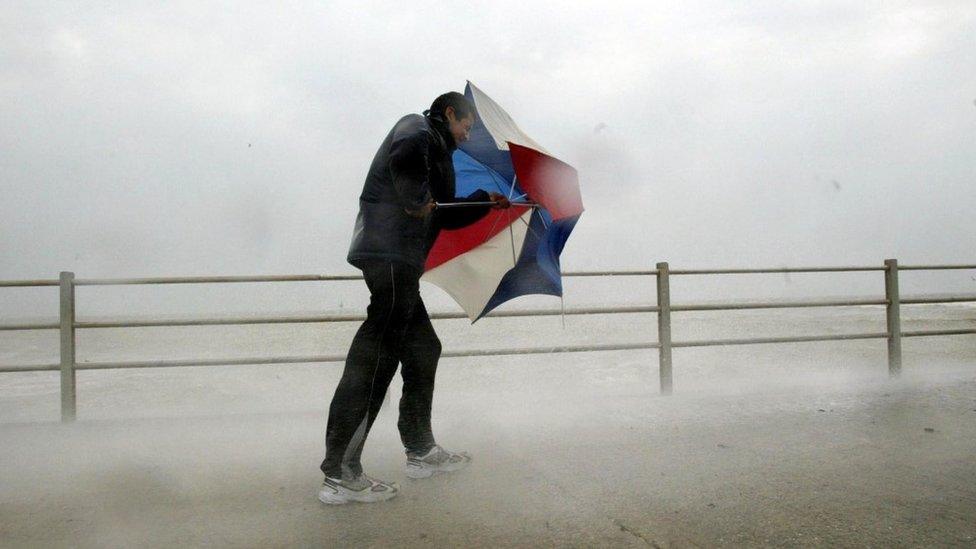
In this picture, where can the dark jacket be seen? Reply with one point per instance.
(412, 166)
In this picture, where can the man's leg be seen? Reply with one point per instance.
(419, 351)
(370, 365)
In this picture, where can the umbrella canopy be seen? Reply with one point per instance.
(513, 252)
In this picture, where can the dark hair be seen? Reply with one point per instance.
(462, 107)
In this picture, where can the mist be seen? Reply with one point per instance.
(145, 139)
(180, 139)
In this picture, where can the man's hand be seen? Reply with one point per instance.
(501, 202)
(423, 211)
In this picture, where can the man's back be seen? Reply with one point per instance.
(412, 167)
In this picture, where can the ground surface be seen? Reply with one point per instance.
(807, 444)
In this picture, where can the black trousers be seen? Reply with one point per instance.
(397, 330)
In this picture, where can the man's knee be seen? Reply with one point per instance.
(420, 357)
(424, 342)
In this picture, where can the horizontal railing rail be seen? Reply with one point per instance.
(67, 323)
(358, 317)
(774, 270)
(351, 277)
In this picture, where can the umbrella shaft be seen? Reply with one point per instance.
(466, 204)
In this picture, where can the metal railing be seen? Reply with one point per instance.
(892, 301)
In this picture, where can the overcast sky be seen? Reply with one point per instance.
(169, 138)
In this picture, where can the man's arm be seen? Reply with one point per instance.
(456, 218)
(409, 168)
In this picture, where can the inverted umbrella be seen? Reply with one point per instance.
(514, 252)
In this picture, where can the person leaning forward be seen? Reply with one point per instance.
(395, 229)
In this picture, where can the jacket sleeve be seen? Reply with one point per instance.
(456, 218)
(409, 168)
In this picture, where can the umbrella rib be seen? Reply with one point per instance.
(492, 229)
(499, 217)
(495, 181)
(511, 233)
(529, 227)
(543, 219)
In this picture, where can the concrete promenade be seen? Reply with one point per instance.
(835, 464)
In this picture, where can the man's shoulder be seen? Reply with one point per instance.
(413, 118)
(411, 126)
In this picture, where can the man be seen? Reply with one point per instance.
(397, 224)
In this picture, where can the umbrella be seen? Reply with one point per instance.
(514, 252)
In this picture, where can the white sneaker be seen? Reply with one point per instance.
(363, 489)
(436, 460)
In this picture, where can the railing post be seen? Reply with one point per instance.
(664, 326)
(894, 317)
(67, 346)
